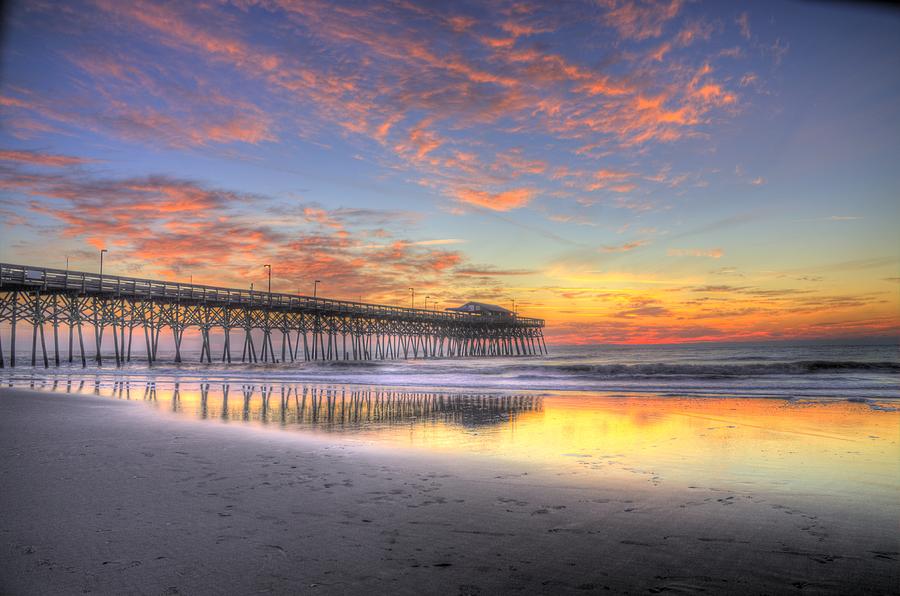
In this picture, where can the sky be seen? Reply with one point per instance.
(632, 172)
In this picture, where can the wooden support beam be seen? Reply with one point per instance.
(55, 330)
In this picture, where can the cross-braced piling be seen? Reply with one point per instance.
(82, 310)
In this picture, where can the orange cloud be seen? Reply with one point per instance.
(613, 180)
(420, 142)
(498, 201)
(513, 162)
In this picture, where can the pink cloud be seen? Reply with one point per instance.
(42, 159)
(640, 19)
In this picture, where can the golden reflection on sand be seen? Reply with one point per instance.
(822, 447)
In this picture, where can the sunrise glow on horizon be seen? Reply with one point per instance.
(633, 172)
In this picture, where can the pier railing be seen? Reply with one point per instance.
(55, 280)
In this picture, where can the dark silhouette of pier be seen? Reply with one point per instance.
(303, 327)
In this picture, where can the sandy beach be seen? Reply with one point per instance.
(105, 496)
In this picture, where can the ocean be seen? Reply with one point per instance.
(774, 370)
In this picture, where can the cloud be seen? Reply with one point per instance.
(497, 201)
(639, 19)
(626, 247)
(580, 220)
(164, 226)
(42, 159)
(515, 164)
(486, 271)
(644, 311)
(420, 142)
(164, 106)
(713, 253)
(613, 180)
(438, 242)
(743, 22)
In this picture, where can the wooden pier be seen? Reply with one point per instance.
(289, 327)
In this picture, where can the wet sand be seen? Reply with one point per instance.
(104, 496)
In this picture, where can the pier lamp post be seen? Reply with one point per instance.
(316, 287)
(412, 298)
(269, 267)
(67, 263)
(101, 267)
(426, 302)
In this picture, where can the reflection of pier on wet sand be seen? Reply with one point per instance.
(311, 405)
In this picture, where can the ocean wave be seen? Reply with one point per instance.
(657, 369)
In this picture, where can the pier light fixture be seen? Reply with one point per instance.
(412, 298)
(269, 267)
(426, 302)
(316, 286)
(102, 250)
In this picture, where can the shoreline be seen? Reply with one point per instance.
(103, 497)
